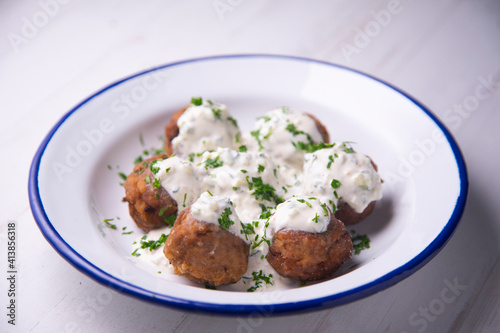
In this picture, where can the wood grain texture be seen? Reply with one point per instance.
(437, 51)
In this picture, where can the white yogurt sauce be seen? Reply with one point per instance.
(300, 213)
(340, 172)
(205, 127)
(265, 178)
(279, 132)
(217, 210)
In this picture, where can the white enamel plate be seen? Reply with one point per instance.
(74, 178)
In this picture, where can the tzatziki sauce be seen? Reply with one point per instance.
(277, 176)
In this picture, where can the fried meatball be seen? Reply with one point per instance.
(321, 128)
(205, 253)
(348, 215)
(148, 206)
(307, 256)
(172, 130)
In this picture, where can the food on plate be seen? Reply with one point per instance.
(344, 178)
(206, 252)
(315, 247)
(257, 209)
(149, 204)
(172, 130)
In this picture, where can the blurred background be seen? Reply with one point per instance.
(445, 53)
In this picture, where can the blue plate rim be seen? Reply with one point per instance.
(382, 283)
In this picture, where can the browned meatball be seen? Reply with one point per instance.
(348, 215)
(309, 256)
(172, 130)
(321, 128)
(205, 253)
(148, 206)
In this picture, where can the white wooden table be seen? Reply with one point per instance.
(446, 53)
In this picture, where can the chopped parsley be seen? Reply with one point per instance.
(263, 191)
(242, 149)
(152, 167)
(162, 211)
(170, 220)
(196, 101)
(156, 183)
(360, 242)
(311, 148)
(330, 161)
(323, 205)
(248, 228)
(304, 202)
(122, 175)
(224, 221)
(109, 225)
(213, 163)
(217, 113)
(292, 129)
(260, 168)
(256, 135)
(152, 244)
(336, 183)
(260, 277)
(347, 149)
(233, 121)
(126, 232)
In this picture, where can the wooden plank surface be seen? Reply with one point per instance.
(437, 51)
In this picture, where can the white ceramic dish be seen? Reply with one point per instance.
(73, 182)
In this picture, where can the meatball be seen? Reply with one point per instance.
(321, 128)
(148, 206)
(205, 253)
(348, 215)
(309, 256)
(172, 130)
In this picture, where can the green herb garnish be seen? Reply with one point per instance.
(153, 244)
(197, 101)
(217, 113)
(336, 183)
(260, 277)
(263, 191)
(233, 121)
(360, 243)
(110, 225)
(213, 163)
(224, 221)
